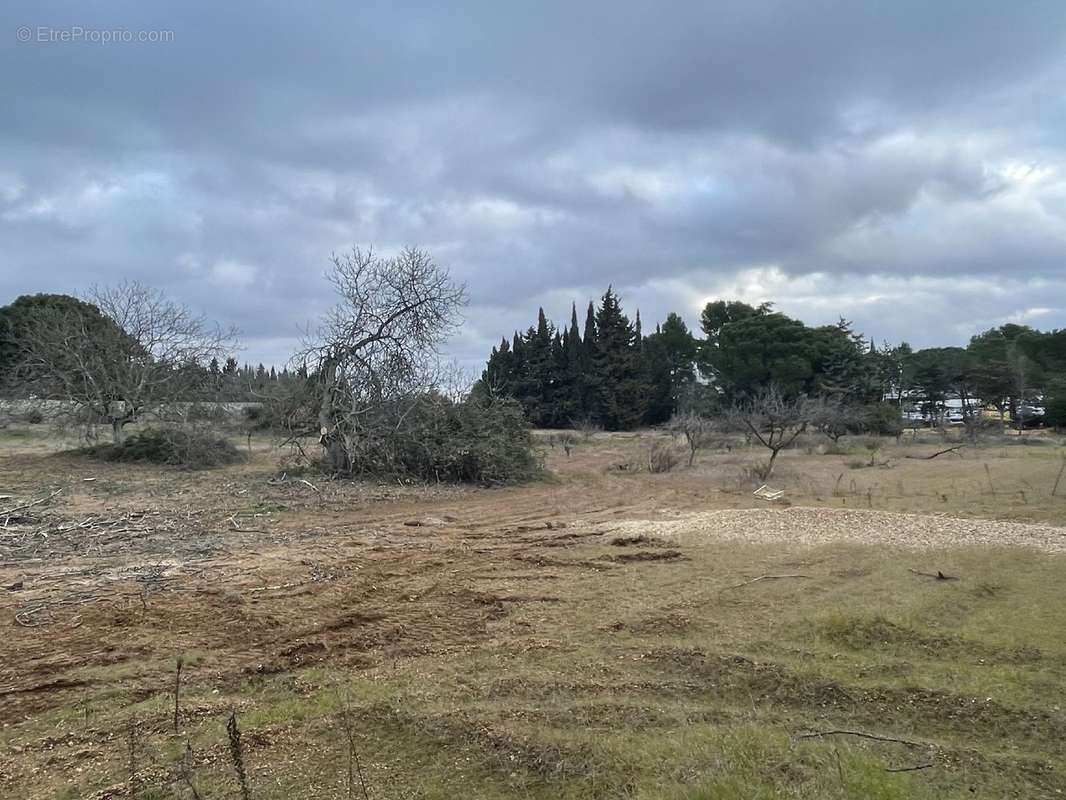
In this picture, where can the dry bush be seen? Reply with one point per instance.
(757, 471)
(834, 418)
(566, 440)
(587, 427)
(699, 432)
(812, 445)
(177, 447)
(662, 458)
(771, 418)
(33, 417)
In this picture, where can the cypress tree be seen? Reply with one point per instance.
(575, 371)
(620, 398)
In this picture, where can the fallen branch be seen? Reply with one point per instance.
(10, 511)
(910, 769)
(257, 589)
(938, 575)
(862, 735)
(939, 453)
(764, 578)
(308, 483)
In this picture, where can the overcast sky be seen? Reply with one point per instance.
(902, 164)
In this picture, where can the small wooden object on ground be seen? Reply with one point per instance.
(764, 492)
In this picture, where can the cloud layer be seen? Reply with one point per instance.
(898, 163)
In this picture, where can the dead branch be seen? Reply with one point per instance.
(863, 735)
(275, 588)
(10, 511)
(939, 453)
(764, 578)
(938, 575)
(910, 769)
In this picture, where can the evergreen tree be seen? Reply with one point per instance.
(620, 397)
(498, 377)
(659, 386)
(574, 373)
(558, 399)
(670, 367)
(590, 348)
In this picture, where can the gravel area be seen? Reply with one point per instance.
(814, 526)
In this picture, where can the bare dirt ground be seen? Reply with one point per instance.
(250, 573)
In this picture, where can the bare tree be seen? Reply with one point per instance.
(699, 431)
(834, 418)
(130, 354)
(772, 419)
(378, 347)
(587, 427)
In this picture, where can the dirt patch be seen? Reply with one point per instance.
(670, 623)
(817, 526)
(646, 555)
(631, 541)
(522, 616)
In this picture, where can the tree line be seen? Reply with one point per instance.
(612, 374)
(367, 384)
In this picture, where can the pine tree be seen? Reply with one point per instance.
(497, 380)
(574, 374)
(541, 371)
(659, 386)
(620, 396)
(590, 348)
(557, 399)
(669, 358)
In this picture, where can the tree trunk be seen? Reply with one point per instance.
(118, 430)
(333, 449)
(336, 455)
(770, 466)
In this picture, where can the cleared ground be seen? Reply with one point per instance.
(602, 633)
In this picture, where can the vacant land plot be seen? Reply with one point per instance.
(604, 632)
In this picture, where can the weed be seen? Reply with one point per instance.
(662, 458)
(236, 754)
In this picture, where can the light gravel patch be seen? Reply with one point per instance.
(817, 526)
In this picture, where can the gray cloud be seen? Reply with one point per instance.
(899, 163)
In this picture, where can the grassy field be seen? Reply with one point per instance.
(542, 641)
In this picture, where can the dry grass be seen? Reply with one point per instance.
(601, 634)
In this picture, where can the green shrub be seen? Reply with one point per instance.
(475, 441)
(883, 419)
(1055, 411)
(172, 447)
(258, 418)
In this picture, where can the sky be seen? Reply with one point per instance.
(901, 164)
